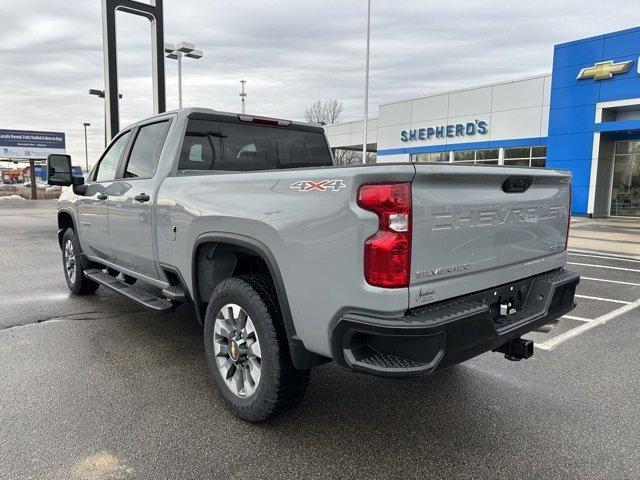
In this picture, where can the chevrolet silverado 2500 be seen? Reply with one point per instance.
(290, 261)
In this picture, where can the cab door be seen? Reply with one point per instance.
(93, 205)
(131, 201)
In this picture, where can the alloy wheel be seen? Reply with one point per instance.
(70, 261)
(237, 350)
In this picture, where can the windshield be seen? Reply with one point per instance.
(214, 145)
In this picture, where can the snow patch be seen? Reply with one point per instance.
(12, 198)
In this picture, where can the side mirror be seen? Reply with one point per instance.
(79, 187)
(59, 170)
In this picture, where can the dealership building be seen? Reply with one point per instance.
(583, 117)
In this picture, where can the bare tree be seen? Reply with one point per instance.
(351, 157)
(325, 112)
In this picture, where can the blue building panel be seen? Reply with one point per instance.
(575, 53)
(580, 119)
(580, 169)
(579, 200)
(627, 86)
(572, 146)
(566, 76)
(622, 43)
(572, 122)
(574, 96)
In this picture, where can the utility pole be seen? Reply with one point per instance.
(242, 94)
(32, 179)
(366, 86)
(86, 149)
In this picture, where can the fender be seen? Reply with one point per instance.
(301, 357)
(72, 214)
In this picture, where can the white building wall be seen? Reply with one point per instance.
(350, 135)
(513, 110)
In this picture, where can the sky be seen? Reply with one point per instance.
(290, 52)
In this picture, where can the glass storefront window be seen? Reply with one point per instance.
(489, 154)
(539, 152)
(485, 157)
(625, 185)
(526, 156)
(464, 155)
(538, 162)
(519, 156)
(440, 157)
(430, 157)
(523, 152)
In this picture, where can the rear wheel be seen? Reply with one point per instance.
(247, 350)
(74, 265)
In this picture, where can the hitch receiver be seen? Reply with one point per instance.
(516, 349)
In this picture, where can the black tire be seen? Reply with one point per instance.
(281, 386)
(77, 282)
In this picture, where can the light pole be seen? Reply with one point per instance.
(100, 94)
(366, 85)
(86, 149)
(242, 93)
(175, 52)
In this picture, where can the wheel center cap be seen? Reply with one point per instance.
(234, 351)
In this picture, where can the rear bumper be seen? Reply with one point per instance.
(430, 338)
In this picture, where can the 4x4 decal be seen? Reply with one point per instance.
(322, 186)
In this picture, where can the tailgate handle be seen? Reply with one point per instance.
(516, 184)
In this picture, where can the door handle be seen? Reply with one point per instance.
(143, 197)
(102, 196)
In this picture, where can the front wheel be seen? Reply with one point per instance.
(247, 350)
(74, 266)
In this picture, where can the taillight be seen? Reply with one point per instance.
(387, 254)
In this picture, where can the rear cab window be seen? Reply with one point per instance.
(238, 146)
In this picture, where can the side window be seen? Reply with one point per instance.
(109, 163)
(145, 153)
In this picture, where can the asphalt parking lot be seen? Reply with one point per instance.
(98, 388)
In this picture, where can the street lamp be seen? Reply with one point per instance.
(86, 150)
(366, 85)
(175, 52)
(100, 94)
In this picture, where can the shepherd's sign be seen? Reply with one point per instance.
(30, 144)
(441, 131)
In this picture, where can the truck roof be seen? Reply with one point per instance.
(189, 111)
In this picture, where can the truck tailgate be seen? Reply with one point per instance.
(481, 226)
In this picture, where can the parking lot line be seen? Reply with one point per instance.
(603, 257)
(604, 266)
(603, 299)
(608, 255)
(579, 319)
(610, 281)
(555, 341)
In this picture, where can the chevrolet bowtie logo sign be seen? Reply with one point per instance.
(604, 70)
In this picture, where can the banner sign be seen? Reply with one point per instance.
(30, 144)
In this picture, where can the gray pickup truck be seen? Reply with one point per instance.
(290, 261)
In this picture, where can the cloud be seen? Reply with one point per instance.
(291, 52)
